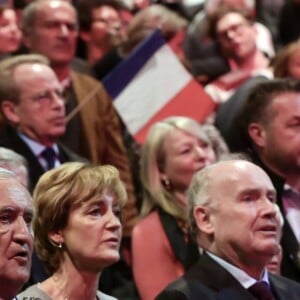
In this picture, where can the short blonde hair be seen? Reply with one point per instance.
(57, 191)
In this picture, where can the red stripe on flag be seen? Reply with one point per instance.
(191, 101)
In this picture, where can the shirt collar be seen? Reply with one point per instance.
(241, 276)
(35, 146)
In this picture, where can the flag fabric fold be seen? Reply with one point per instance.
(152, 84)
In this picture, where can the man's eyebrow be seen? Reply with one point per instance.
(7, 209)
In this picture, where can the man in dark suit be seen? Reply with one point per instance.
(233, 215)
(269, 123)
(34, 109)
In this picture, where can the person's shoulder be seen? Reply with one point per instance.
(285, 285)
(85, 80)
(103, 296)
(33, 293)
(185, 288)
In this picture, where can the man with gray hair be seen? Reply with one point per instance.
(232, 212)
(14, 162)
(16, 240)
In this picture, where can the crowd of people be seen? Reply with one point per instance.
(202, 209)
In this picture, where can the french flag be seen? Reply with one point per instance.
(152, 84)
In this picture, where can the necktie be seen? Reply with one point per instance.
(49, 155)
(261, 291)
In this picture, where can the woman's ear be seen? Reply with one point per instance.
(55, 238)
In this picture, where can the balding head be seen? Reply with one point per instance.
(231, 204)
(50, 27)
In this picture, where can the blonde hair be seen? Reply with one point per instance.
(58, 190)
(152, 161)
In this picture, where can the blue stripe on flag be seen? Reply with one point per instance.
(120, 76)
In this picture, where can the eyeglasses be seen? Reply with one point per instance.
(108, 22)
(235, 28)
(48, 97)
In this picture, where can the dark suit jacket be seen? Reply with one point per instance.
(207, 280)
(11, 140)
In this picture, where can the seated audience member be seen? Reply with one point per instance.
(233, 214)
(15, 163)
(50, 28)
(142, 24)
(156, 16)
(235, 32)
(286, 63)
(202, 51)
(16, 240)
(268, 124)
(77, 229)
(10, 34)
(101, 27)
(162, 250)
(33, 106)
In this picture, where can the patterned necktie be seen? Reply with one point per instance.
(261, 291)
(49, 155)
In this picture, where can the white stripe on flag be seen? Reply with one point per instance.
(159, 80)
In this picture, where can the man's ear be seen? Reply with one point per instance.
(10, 111)
(203, 219)
(257, 134)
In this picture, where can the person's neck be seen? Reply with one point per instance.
(244, 262)
(62, 71)
(181, 198)
(254, 62)
(69, 283)
(94, 53)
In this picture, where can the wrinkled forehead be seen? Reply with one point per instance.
(55, 9)
(13, 193)
(235, 176)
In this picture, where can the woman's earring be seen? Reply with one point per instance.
(167, 184)
(59, 245)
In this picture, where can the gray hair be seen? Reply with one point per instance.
(9, 89)
(30, 12)
(198, 194)
(11, 158)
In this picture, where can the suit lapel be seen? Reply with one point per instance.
(10, 139)
(212, 275)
